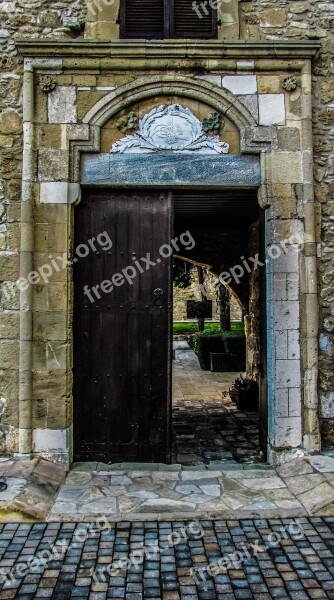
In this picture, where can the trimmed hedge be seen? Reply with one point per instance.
(233, 342)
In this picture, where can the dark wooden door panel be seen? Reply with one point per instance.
(122, 340)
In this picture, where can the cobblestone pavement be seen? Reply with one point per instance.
(207, 425)
(275, 559)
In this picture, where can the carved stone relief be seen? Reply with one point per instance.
(170, 128)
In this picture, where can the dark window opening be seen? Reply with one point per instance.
(163, 19)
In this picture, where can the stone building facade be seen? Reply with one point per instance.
(68, 87)
(181, 296)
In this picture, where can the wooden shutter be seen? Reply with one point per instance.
(142, 19)
(187, 23)
(162, 19)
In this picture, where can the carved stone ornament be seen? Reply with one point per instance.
(170, 129)
(290, 83)
(47, 83)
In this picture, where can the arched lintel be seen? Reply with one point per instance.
(142, 88)
(220, 99)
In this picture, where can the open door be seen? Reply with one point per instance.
(122, 329)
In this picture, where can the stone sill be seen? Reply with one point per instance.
(168, 49)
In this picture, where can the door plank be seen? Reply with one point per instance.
(122, 340)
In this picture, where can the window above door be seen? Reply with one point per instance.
(167, 19)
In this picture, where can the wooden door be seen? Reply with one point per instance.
(122, 339)
(263, 382)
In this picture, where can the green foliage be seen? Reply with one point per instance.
(233, 342)
(212, 123)
(186, 327)
(196, 310)
(182, 273)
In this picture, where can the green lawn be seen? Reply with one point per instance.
(209, 327)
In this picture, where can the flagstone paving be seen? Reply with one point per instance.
(180, 560)
(42, 491)
(207, 425)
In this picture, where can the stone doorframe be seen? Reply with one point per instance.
(292, 337)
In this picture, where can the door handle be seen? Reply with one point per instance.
(158, 297)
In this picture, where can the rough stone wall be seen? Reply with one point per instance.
(311, 20)
(180, 297)
(259, 20)
(35, 19)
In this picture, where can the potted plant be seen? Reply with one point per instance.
(245, 393)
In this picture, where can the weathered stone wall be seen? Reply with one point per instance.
(259, 20)
(311, 20)
(34, 19)
(181, 296)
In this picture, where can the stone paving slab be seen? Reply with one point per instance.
(42, 491)
(243, 559)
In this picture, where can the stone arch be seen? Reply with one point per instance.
(219, 98)
(142, 88)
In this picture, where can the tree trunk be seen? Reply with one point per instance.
(224, 305)
(201, 320)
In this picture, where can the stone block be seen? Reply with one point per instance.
(10, 122)
(285, 315)
(84, 80)
(59, 192)
(327, 405)
(102, 10)
(295, 402)
(62, 105)
(293, 345)
(284, 167)
(6, 141)
(281, 344)
(240, 84)
(252, 104)
(271, 109)
(51, 213)
(43, 264)
(90, 30)
(86, 100)
(281, 403)
(52, 165)
(308, 276)
(9, 266)
(273, 17)
(49, 384)
(269, 84)
(50, 136)
(327, 91)
(288, 432)
(279, 287)
(288, 138)
(13, 237)
(287, 374)
(107, 30)
(50, 325)
(9, 354)
(9, 325)
(293, 286)
(326, 344)
(50, 440)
